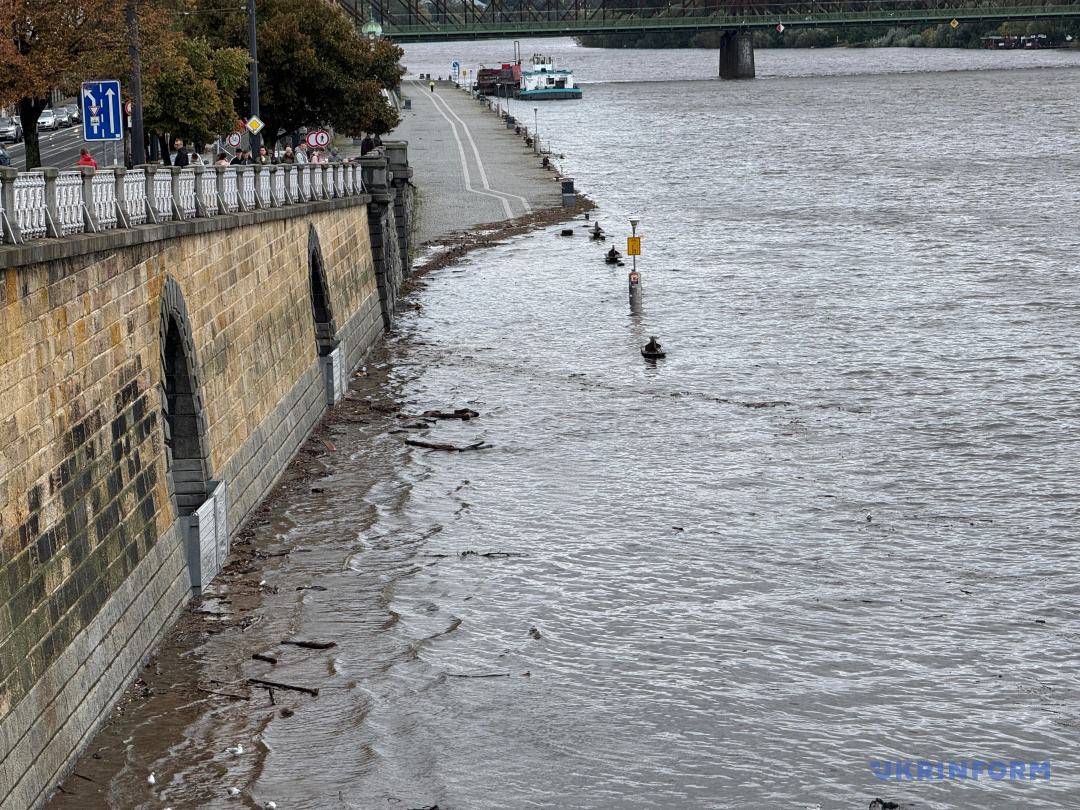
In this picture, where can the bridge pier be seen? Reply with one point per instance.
(737, 55)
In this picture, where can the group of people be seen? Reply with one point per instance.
(243, 157)
(302, 154)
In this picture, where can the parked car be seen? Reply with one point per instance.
(63, 117)
(47, 120)
(10, 130)
(73, 110)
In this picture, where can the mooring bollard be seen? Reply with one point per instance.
(569, 199)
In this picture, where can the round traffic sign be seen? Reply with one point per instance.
(310, 139)
(233, 140)
(127, 108)
(322, 138)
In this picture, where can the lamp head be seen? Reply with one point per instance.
(634, 223)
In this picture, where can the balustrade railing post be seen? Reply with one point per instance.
(200, 177)
(219, 185)
(274, 201)
(90, 220)
(327, 174)
(258, 169)
(149, 170)
(240, 170)
(10, 222)
(53, 226)
(290, 173)
(174, 188)
(122, 218)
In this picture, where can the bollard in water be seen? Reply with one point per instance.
(569, 199)
(635, 291)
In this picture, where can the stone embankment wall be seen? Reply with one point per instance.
(137, 369)
(390, 226)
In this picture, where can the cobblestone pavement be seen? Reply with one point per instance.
(468, 167)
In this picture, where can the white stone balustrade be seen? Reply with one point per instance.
(48, 202)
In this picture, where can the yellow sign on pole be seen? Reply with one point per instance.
(633, 246)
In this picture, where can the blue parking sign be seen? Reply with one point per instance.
(102, 111)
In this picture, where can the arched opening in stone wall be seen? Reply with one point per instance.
(321, 308)
(187, 447)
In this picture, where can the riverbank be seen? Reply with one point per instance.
(196, 698)
(475, 171)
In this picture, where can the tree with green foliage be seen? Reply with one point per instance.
(315, 69)
(53, 43)
(189, 92)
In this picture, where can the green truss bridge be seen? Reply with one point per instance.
(441, 20)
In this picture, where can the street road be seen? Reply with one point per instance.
(60, 148)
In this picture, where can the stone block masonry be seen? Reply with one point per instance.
(136, 366)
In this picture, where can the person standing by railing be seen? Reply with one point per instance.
(181, 156)
(85, 159)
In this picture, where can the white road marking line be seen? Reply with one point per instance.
(476, 153)
(464, 162)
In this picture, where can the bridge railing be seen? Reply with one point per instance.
(49, 203)
(575, 17)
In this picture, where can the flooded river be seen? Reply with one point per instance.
(836, 526)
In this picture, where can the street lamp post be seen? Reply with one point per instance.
(536, 131)
(255, 137)
(635, 279)
(138, 153)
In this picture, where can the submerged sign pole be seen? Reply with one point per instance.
(633, 248)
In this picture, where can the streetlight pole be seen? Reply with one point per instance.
(255, 137)
(536, 130)
(138, 154)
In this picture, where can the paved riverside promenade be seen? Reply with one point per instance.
(468, 167)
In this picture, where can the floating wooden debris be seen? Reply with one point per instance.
(450, 447)
(311, 645)
(275, 685)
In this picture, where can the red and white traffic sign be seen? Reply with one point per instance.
(319, 137)
(127, 108)
(780, 28)
(233, 140)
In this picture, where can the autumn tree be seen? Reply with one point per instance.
(52, 43)
(315, 69)
(189, 92)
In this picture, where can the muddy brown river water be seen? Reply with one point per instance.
(837, 525)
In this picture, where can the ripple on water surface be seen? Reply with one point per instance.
(836, 524)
